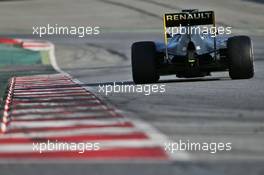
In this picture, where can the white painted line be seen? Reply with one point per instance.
(37, 124)
(91, 110)
(49, 92)
(49, 104)
(90, 131)
(112, 144)
(55, 98)
(162, 139)
(66, 116)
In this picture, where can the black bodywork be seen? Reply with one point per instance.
(192, 55)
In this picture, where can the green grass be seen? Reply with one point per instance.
(45, 57)
(15, 55)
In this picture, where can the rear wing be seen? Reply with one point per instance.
(187, 18)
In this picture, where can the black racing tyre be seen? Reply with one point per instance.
(144, 62)
(240, 56)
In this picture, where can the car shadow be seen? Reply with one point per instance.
(190, 80)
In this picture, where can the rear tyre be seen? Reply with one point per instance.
(144, 62)
(240, 54)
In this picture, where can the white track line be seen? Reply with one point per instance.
(112, 144)
(37, 124)
(63, 133)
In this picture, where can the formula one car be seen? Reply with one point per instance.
(191, 54)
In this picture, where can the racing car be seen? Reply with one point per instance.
(189, 55)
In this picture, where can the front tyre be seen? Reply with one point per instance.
(240, 54)
(144, 62)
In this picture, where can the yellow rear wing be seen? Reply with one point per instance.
(189, 19)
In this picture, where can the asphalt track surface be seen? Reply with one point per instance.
(211, 109)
